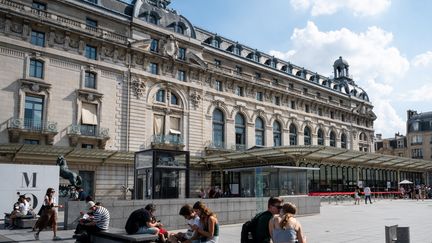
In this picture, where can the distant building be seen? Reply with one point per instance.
(391, 146)
(419, 135)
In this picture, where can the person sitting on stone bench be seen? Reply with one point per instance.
(21, 209)
(99, 222)
(140, 222)
(190, 236)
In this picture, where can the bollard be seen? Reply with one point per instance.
(403, 235)
(391, 234)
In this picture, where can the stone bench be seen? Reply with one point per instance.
(21, 222)
(119, 235)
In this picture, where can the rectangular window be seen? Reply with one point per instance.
(153, 68)
(91, 23)
(154, 46)
(291, 86)
(238, 70)
(417, 153)
(320, 113)
(277, 100)
(218, 63)
(239, 91)
(38, 38)
(305, 90)
(307, 108)
(181, 75)
(257, 75)
(259, 96)
(90, 52)
(341, 102)
(87, 146)
(89, 114)
(218, 85)
(39, 5)
(181, 53)
(330, 98)
(90, 80)
(343, 117)
(33, 113)
(293, 106)
(36, 68)
(31, 141)
(275, 81)
(318, 94)
(158, 124)
(331, 114)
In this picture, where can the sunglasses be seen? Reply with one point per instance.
(278, 207)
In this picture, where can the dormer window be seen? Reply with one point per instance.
(179, 29)
(254, 56)
(215, 43)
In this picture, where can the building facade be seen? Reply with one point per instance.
(118, 78)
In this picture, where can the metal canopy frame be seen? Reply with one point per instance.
(321, 154)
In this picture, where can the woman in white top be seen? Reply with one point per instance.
(285, 228)
(49, 215)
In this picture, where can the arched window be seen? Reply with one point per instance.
(240, 132)
(218, 129)
(277, 134)
(215, 43)
(153, 19)
(332, 139)
(259, 132)
(174, 99)
(179, 29)
(160, 95)
(343, 141)
(320, 137)
(307, 136)
(293, 134)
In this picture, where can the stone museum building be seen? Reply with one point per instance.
(98, 80)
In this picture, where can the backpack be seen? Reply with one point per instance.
(249, 229)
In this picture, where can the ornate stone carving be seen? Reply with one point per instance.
(195, 98)
(34, 86)
(74, 42)
(138, 87)
(88, 95)
(59, 38)
(16, 28)
(171, 47)
(138, 59)
(108, 51)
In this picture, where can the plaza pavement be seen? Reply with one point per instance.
(337, 223)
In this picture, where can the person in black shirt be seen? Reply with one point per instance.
(140, 222)
(262, 228)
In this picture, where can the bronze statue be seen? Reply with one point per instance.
(65, 173)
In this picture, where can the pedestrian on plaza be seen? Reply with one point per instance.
(357, 196)
(190, 236)
(48, 216)
(262, 232)
(285, 228)
(209, 230)
(367, 192)
(21, 209)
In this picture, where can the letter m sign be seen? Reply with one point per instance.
(28, 181)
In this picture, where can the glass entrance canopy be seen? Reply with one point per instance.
(272, 180)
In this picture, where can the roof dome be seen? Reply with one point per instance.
(340, 62)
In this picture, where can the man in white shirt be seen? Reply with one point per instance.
(367, 193)
(189, 236)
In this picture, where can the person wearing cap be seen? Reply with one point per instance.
(99, 221)
(21, 208)
(48, 215)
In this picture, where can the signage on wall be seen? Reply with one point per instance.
(32, 181)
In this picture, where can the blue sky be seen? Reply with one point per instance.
(386, 42)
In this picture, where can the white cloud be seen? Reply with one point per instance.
(421, 94)
(328, 7)
(376, 65)
(422, 60)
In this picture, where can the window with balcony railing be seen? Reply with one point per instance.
(33, 113)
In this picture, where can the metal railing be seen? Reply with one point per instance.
(216, 145)
(64, 21)
(88, 130)
(32, 125)
(168, 139)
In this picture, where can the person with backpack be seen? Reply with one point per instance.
(257, 230)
